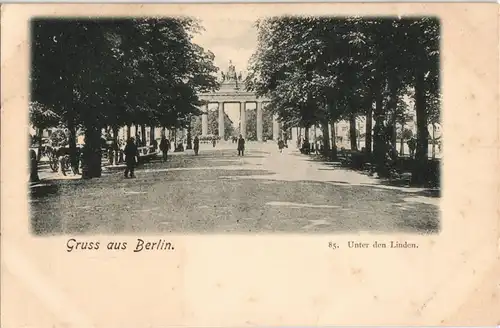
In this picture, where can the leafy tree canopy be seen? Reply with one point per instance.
(120, 71)
(317, 68)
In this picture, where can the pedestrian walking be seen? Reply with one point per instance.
(241, 146)
(131, 153)
(412, 144)
(164, 147)
(306, 146)
(196, 145)
(281, 145)
(214, 141)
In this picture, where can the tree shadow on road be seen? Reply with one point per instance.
(399, 181)
(44, 189)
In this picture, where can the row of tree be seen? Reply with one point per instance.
(320, 70)
(95, 73)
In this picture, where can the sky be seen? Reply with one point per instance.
(229, 38)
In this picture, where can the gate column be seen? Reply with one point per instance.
(243, 119)
(221, 120)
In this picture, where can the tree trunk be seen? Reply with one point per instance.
(73, 154)
(116, 148)
(326, 136)
(368, 129)
(189, 141)
(392, 104)
(92, 153)
(401, 141)
(39, 134)
(151, 134)
(394, 132)
(379, 147)
(334, 140)
(352, 132)
(143, 135)
(420, 163)
(433, 141)
(33, 166)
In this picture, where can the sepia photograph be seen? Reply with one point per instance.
(280, 124)
(245, 165)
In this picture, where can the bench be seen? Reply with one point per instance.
(344, 157)
(147, 153)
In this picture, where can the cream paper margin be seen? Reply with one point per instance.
(246, 280)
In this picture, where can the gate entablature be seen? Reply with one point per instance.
(231, 91)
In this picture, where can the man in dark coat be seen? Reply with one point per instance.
(306, 147)
(164, 147)
(131, 153)
(412, 145)
(241, 146)
(196, 145)
(281, 145)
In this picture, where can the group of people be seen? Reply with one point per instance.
(307, 147)
(131, 152)
(281, 145)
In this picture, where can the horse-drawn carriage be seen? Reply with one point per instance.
(60, 156)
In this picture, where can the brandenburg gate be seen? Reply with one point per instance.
(232, 91)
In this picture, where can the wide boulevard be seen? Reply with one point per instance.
(218, 192)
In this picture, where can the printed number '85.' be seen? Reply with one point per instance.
(333, 245)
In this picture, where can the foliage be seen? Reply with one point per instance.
(141, 71)
(325, 69)
(251, 124)
(407, 134)
(267, 123)
(433, 108)
(59, 138)
(41, 117)
(95, 73)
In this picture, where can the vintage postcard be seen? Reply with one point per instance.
(249, 165)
